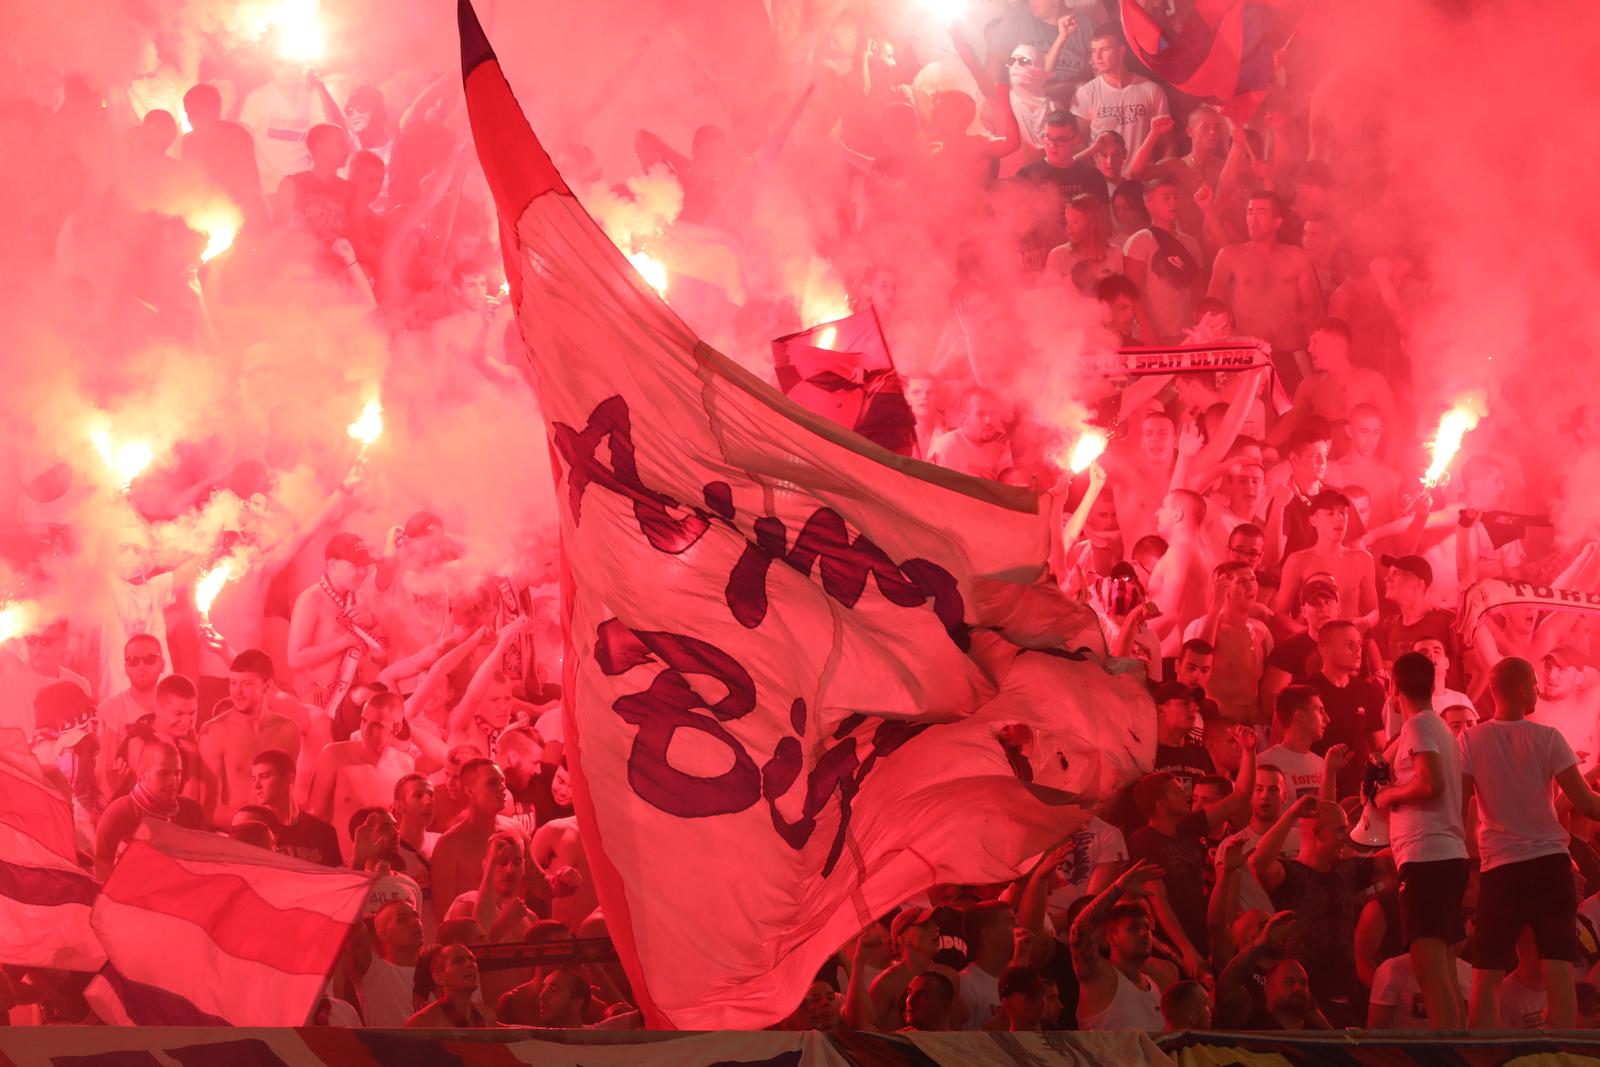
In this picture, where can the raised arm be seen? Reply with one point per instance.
(1265, 863)
(1084, 937)
(483, 677)
(1144, 155)
(1234, 1003)
(1237, 802)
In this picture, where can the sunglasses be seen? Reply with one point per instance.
(1019, 61)
(152, 660)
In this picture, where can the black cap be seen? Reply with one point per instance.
(1411, 565)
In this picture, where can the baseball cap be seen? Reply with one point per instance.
(906, 918)
(1318, 587)
(1411, 565)
(1328, 500)
(349, 547)
(423, 523)
(1566, 656)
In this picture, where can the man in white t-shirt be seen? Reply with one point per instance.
(29, 665)
(1097, 856)
(979, 445)
(1428, 839)
(1444, 698)
(1397, 1003)
(1509, 763)
(387, 997)
(1302, 720)
(1266, 804)
(1116, 100)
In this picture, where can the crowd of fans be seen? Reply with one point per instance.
(1259, 540)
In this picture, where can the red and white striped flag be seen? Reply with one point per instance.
(791, 654)
(45, 896)
(201, 930)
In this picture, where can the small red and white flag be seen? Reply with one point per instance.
(45, 896)
(201, 930)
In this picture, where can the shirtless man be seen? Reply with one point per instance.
(243, 727)
(1361, 466)
(1271, 286)
(360, 773)
(558, 851)
(915, 936)
(1336, 387)
(484, 711)
(1181, 581)
(1569, 700)
(458, 855)
(1140, 478)
(329, 633)
(239, 612)
(1352, 569)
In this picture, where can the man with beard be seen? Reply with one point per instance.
(497, 906)
(1114, 993)
(361, 773)
(1569, 701)
(154, 796)
(144, 660)
(1271, 286)
(242, 729)
(979, 445)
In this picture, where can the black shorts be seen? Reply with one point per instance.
(1539, 893)
(1430, 900)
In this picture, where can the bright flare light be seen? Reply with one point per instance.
(220, 223)
(126, 461)
(1454, 425)
(209, 585)
(369, 426)
(827, 337)
(17, 620)
(946, 11)
(299, 29)
(652, 270)
(1089, 446)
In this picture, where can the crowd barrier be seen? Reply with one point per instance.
(330, 1047)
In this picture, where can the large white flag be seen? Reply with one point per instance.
(790, 653)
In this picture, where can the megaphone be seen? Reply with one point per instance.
(1372, 831)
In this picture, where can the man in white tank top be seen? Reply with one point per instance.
(1116, 994)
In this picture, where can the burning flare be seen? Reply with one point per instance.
(1090, 444)
(17, 620)
(652, 270)
(220, 223)
(368, 427)
(126, 461)
(945, 12)
(299, 29)
(827, 337)
(209, 586)
(1454, 425)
